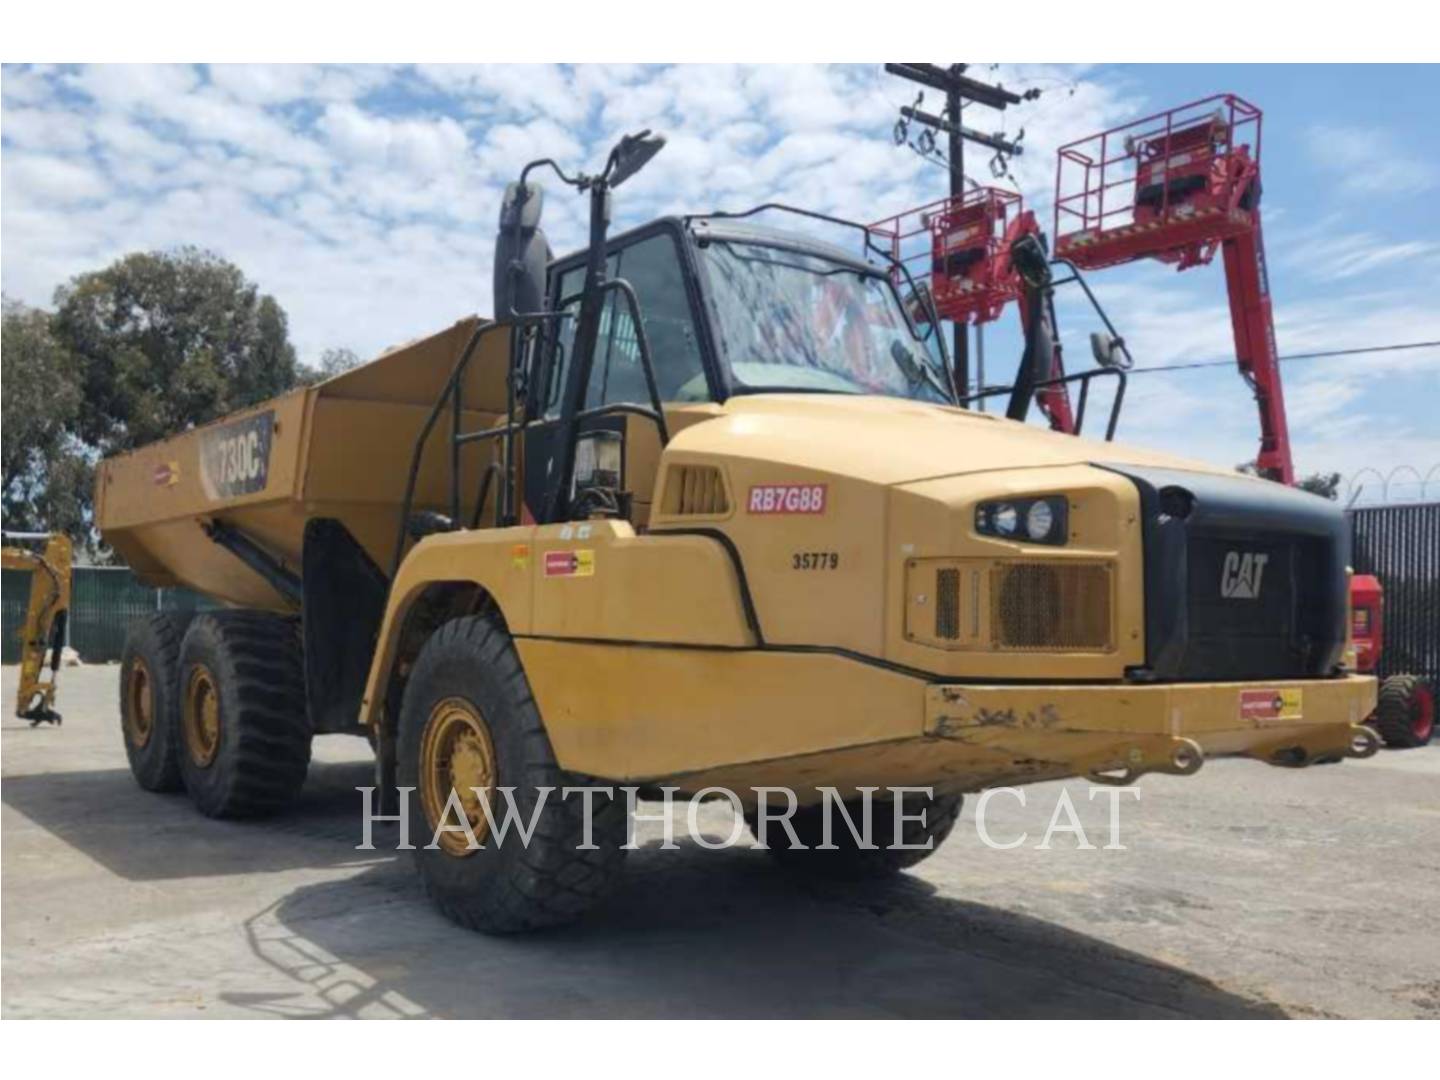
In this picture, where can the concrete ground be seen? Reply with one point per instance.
(1243, 892)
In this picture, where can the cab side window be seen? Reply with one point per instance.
(652, 267)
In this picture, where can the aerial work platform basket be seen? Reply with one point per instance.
(959, 248)
(1172, 186)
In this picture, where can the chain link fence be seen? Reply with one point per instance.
(104, 601)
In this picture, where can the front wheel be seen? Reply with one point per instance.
(892, 850)
(469, 730)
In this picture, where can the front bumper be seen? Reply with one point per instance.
(1117, 734)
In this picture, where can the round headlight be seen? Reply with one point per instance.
(1039, 520)
(1005, 519)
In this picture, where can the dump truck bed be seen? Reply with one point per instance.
(340, 449)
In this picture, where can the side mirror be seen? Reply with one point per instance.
(633, 153)
(521, 252)
(1109, 352)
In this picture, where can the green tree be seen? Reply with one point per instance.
(47, 472)
(167, 340)
(1326, 484)
(333, 362)
(1323, 484)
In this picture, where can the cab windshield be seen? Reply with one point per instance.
(787, 320)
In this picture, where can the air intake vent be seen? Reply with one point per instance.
(947, 604)
(695, 491)
(1050, 606)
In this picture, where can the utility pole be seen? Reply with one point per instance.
(959, 88)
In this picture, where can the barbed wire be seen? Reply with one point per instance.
(1388, 485)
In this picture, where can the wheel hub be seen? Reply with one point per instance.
(456, 755)
(200, 716)
(139, 704)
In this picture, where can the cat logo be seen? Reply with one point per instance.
(1240, 576)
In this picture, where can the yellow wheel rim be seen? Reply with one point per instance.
(139, 704)
(456, 754)
(200, 716)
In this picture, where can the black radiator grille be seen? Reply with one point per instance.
(1245, 600)
(1244, 579)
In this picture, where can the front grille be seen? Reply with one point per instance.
(1050, 606)
(1249, 605)
(947, 604)
(695, 491)
(990, 605)
(1243, 579)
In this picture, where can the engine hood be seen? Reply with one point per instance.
(889, 441)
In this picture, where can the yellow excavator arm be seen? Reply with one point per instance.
(44, 628)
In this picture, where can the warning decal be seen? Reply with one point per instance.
(579, 563)
(1257, 706)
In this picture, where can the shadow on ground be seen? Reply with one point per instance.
(142, 836)
(700, 933)
(688, 933)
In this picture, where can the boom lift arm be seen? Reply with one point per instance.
(1177, 187)
(45, 617)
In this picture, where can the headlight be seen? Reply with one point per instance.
(1005, 519)
(599, 460)
(1037, 521)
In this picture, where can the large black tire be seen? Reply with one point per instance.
(1405, 712)
(469, 669)
(847, 860)
(251, 758)
(149, 699)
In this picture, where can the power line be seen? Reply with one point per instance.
(1291, 356)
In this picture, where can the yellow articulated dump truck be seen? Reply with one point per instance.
(703, 508)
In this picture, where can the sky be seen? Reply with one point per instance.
(365, 200)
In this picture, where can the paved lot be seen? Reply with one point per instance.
(1244, 891)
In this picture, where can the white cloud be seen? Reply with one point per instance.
(1371, 161)
(36, 178)
(364, 199)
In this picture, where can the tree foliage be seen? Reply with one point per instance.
(150, 346)
(334, 361)
(1326, 485)
(46, 471)
(167, 340)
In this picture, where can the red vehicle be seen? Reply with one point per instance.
(1405, 713)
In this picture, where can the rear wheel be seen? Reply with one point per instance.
(1405, 713)
(148, 699)
(244, 738)
(469, 722)
(891, 853)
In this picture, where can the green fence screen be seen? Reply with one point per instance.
(104, 601)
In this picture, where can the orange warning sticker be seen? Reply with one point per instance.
(578, 563)
(1259, 706)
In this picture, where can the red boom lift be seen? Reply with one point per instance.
(1177, 187)
(969, 251)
